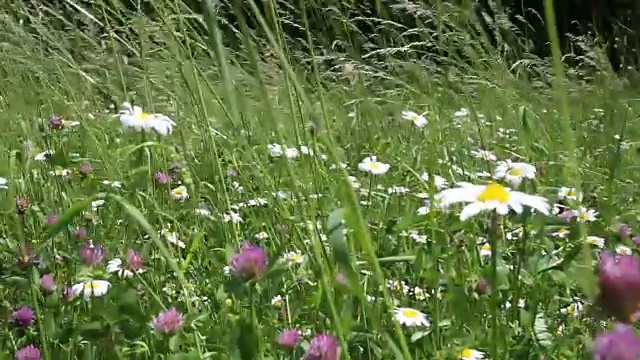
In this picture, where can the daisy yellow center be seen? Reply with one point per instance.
(563, 231)
(486, 247)
(90, 285)
(571, 192)
(466, 353)
(494, 192)
(374, 165)
(296, 258)
(515, 172)
(178, 192)
(411, 313)
(585, 216)
(143, 116)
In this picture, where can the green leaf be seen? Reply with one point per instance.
(68, 216)
(247, 342)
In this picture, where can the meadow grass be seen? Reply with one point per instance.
(272, 153)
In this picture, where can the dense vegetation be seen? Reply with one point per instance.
(315, 180)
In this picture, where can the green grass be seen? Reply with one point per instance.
(258, 98)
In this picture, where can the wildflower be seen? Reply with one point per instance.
(251, 261)
(275, 150)
(113, 184)
(115, 266)
(23, 317)
(596, 240)
(134, 117)
(485, 250)
(91, 288)
(168, 322)
(162, 177)
(43, 155)
(180, 193)
(85, 169)
(484, 155)
(418, 120)
(173, 238)
(47, 283)
(373, 166)
(569, 193)
(277, 301)
(68, 293)
(91, 254)
(461, 114)
(438, 181)
(471, 354)
(575, 308)
(586, 215)
(22, 204)
(26, 256)
(289, 338)
(3, 183)
(411, 317)
(134, 260)
(60, 172)
(621, 343)
(28, 352)
(561, 233)
(293, 257)
(624, 230)
(514, 172)
(491, 197)
(80, 233)
(323, 347)
(52, 219)
(623, 250)
(232, 217)
(291, 153)
(619, 283)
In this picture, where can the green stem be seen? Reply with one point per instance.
(495, 300)
(39, 314)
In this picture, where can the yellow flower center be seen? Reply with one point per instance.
(563, 231)
(411, 313)
(143, 116)
(296, 258)
(466, 353)
(494, 192)
(90, 285)
(486, 247)
(585, 216)
(515, 172)
(374, 166)
(571, 192)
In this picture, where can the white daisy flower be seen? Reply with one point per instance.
(291, 153)
(491, 197)
(485, 250)
(418, 120)
(586, 215)
(180, 193)
(43, 155)
(96, 204)
(134, 117)
(575, 308)
(115, 266)
(561, 233)
(372, 165)
(232, 217)
(471, 354)
(173, 238)
(514, 172)
(484, 155)
(113, 184)
(293, 257)
(411, 317)
(275, 150)
(91, 288)
(438, 181)
(277, 301)
(569, 193)
(596, 241)
(624, 250)
(60, 172)
(462, 113)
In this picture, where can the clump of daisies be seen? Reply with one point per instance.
(134, 117)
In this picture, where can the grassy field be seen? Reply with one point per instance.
(280, 212)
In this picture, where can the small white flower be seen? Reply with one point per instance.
(438, 181)
(114, 184)
(398, 286)
(484, 155)
(60, 172)
(232, 217)
(202, 211)
(418, 120)
(485, 250)
(275, 150)
(257, 202)
(586, 215)
(115, 266)
(354, 182)
(173, 238)
(491, 197)
(420, 294)
(291, 153)
(514, 172)
(261, 235)
(277, 301)
(134, 117)
(397, 190)
(561, 233)
(3, 183)
(372, 165)
(226, 270)
(411, 317)
(595, 240)
(338, 166)
(43, 155)
(624, 250)
(293, 257)
(471, 354)
(461, 114)
(569, 193)
(180, 193)
(91, 288)
(96, 204)
(575, 308)
(306, 150)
